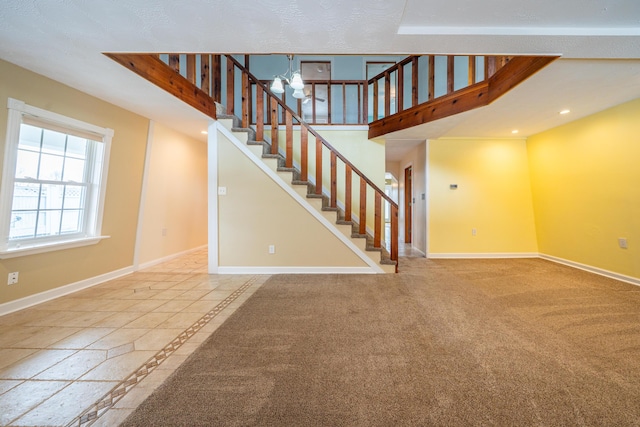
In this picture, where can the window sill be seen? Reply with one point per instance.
(50, 247)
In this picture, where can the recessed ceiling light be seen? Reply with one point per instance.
(515, 131)
(204, 132)
(567, 111)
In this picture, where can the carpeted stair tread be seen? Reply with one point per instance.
(236, 121)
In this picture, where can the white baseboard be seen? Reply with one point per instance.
(296, 270)
(580, 266)
(149, 264)
(39, 298)
(489, 255)
(31, 300)
(595, 270)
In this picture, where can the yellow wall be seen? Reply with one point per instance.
(256, 213)
(365, 154)
(175, 200)
(586, 189)
(493, 196)
(47, 271)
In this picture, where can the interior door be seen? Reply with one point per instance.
(408, 205)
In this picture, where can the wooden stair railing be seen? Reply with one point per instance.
(274, 104)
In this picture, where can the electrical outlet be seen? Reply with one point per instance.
(474, 231)
(272, 249)
(13, 278)
(222, 191)
(622, 242)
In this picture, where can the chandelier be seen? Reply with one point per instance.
(293, 79)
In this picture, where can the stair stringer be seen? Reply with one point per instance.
(302, 201)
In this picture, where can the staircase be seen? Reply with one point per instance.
(314, 200)
(351, 214)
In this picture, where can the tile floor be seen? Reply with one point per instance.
(90, 358)
(406, 250)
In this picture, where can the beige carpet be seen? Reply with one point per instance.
(473, 342)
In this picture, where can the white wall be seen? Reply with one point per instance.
(417, 159)
(174, 203)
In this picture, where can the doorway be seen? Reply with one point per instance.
(408, 204)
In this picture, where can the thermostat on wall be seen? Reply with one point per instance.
(453, 186)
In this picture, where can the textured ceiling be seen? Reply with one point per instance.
(541, 17)
(598, 39)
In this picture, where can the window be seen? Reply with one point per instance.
(53, 182)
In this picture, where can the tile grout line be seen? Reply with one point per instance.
(106, 402)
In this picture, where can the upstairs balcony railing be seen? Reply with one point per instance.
(419, 79)
(413, 81)
(328, 102)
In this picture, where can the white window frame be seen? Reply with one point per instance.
(92, 227)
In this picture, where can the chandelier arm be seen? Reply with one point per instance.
(290, 76)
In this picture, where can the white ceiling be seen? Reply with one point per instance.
(599, 41)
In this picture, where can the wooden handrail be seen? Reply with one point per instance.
(311, 130)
